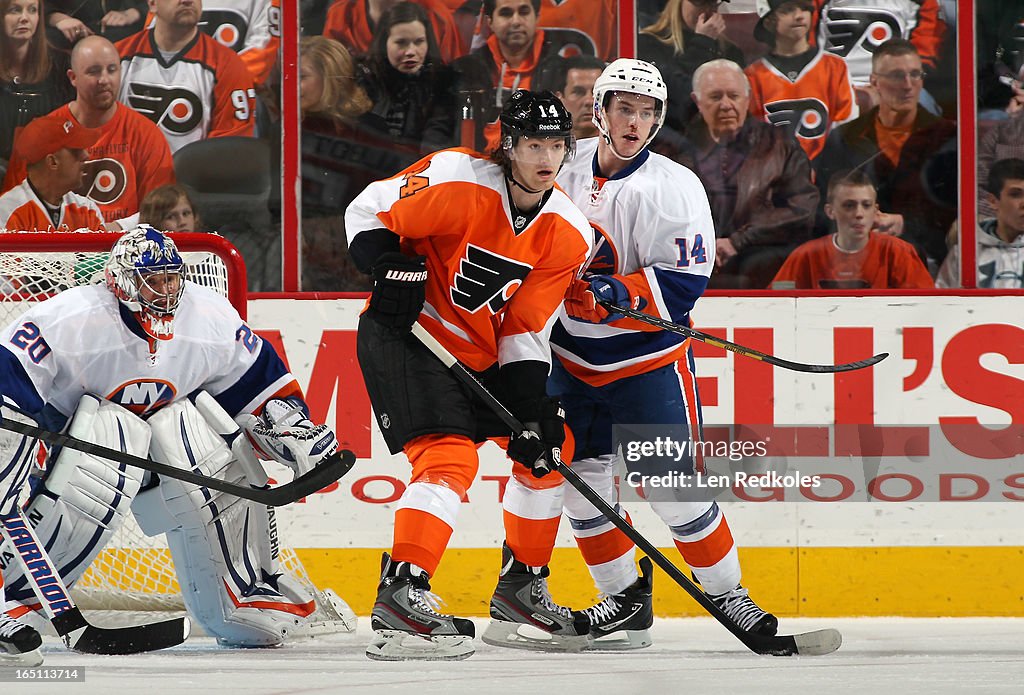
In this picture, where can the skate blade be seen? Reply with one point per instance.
(621, 641)
(500, 633)
(20, 659)
(395, 645)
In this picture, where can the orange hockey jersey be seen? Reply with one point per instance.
(887, 262)
(130, 159)
(492, 294)
(348, 22)
(205, 91)
(21, 210)
(810, 102)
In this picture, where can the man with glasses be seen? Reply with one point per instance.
(909, 153)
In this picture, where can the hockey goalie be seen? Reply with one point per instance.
(151, 364)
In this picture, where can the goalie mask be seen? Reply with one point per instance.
(533, 115)
(629, 76)
(144, 272)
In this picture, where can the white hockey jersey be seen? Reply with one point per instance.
(79, 342)
(854, 29)
(652, 222)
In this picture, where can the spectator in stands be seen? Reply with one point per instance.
(131, 155)
(250, 28)
(353, 22)
(342, 152)
(44, 201)
(32, 79)
(1005, 140)
(69, 21)
(170, 208)
(1000, 240)
(854, 257)
(895, 144)
(411, 89)
(509, 60)
(579, 27)
(757, 178)
(687, 34)
(855, 29)
(797, 86)
(200, 90)
(572, 80)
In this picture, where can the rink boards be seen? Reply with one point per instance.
(920, 460)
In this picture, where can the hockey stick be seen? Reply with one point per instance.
(333, 468)
(813, 643)
(67, 619)
(739, 349)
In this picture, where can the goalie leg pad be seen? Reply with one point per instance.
(231, 581)
(83, 498)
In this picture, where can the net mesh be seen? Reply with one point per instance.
(134, 571)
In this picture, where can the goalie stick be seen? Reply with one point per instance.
(333, 468)
(739, 349)
(67, 619)
(813, 643)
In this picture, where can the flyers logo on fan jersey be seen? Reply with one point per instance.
(848, 28)
(228, 27)
(174, 109)
(143, 396)
(807, 118)
(485, 278)
(103, 180)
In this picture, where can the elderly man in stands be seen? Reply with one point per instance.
(757, 177)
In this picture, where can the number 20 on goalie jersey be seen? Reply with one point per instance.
(492, 292)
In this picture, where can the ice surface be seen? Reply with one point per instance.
(888, 656)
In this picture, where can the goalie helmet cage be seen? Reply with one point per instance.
(134, 572)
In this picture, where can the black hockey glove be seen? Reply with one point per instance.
(539, 446)
(399, 290)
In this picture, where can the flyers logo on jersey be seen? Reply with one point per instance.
(486, 279)
(847, 29)
(143, 396)
(807, 118)
(103, 180)
(229, 28)
(174, 109)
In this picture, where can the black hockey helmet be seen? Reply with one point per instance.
(536, 114)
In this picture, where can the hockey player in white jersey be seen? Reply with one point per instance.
(654, 251)
(151, 363)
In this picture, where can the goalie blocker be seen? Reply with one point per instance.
(224, 548)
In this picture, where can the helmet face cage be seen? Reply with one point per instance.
(629, 76)
(135, 260)
(538, 115)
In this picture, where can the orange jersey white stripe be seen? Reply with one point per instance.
(492, 294)
(811, 102)
(21, 210)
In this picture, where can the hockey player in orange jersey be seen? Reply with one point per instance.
(855, 256)
(654, 250)
(479, 251)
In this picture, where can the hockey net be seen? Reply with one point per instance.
(134, 571)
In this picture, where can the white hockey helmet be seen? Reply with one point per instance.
(144, 271)
(633, 77)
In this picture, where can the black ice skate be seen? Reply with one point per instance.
(407, 624)
(745, 613)
(523, 615)
(19, 643)
(620, 622)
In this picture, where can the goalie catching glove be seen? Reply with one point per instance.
(539, 445)
(284, 433)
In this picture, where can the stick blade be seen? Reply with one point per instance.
(818, 643)
(80, 636)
